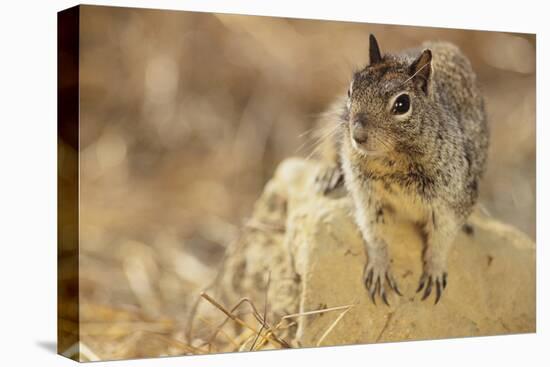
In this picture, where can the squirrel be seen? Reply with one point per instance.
(410, 139)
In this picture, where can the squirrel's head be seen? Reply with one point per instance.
(388, 101)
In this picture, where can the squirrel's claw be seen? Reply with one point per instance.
(429, 281)
(373, 290)
(384, 298)
(437, 291)
(377, 283)
(428, 289)
(392, 283)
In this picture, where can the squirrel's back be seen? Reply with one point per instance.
(456, 89)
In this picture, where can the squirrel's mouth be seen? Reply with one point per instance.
(362, 147)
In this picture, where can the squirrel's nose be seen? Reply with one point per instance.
(360, 120)
(359, 135)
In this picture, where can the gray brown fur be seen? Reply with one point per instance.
(424, 166)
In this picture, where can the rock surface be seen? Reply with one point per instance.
(314, 253)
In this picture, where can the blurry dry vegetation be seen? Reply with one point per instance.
(184, 117)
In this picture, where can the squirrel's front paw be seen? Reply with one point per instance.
(328, 179)
(432, 277)
(379, 279)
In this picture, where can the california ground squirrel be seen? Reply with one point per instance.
(410, 140)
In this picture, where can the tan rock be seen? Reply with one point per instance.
(314, 252)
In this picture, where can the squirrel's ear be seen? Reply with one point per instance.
(374, 50)
(421, 70)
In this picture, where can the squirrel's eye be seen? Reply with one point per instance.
(401, 105)
(349, 92)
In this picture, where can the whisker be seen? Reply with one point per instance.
(416, 72)
(318, 145)
(325, 134)
(302, 146)
(311, 139)
(307, 132)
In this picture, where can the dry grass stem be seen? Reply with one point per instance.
(307, 313)
(277, 342)
(218, 330)
(333, 325)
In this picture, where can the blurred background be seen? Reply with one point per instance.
(183, 118)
